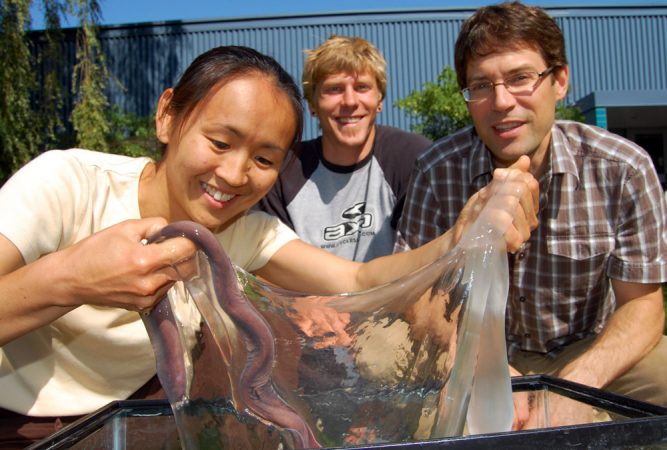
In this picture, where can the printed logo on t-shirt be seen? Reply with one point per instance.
(357, 219)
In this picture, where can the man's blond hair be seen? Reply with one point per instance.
(342, 54)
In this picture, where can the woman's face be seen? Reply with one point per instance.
(227, 154)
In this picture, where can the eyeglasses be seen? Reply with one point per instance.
(522, 83)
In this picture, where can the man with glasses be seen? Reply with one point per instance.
(585, 300)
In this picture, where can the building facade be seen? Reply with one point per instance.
(617, 56)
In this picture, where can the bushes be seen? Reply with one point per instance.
(30, 112)
(439, 107)
(131, 135)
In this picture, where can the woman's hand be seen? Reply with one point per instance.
(110, 268)
(115, 268)
(508, 204)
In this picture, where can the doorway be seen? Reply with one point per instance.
(655, 143)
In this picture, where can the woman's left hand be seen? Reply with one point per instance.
(509, 204)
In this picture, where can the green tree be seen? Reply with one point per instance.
(19, 140)
(49, 99)
(569, 112)
(30, 112)
(440, 109)
(89, 81)
(132, 135)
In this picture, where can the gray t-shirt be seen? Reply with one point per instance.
(351, 211)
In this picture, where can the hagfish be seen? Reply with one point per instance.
(255, 385)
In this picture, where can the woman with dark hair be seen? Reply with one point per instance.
(74, 266)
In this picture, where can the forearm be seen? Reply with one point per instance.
(28, 299)
(304, 268)
(631, 332)
(392, 267)
(111, 268)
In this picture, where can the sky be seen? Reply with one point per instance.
(117, 12)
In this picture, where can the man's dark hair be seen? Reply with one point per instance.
(508, 26)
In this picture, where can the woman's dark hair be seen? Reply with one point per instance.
(509, 25)
(224, 64)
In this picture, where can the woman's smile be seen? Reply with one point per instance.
(215, 194)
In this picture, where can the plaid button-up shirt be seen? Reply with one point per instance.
(601, 216)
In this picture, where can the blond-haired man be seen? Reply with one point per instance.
(344, 192)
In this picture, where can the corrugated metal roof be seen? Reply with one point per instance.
(609, 49)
